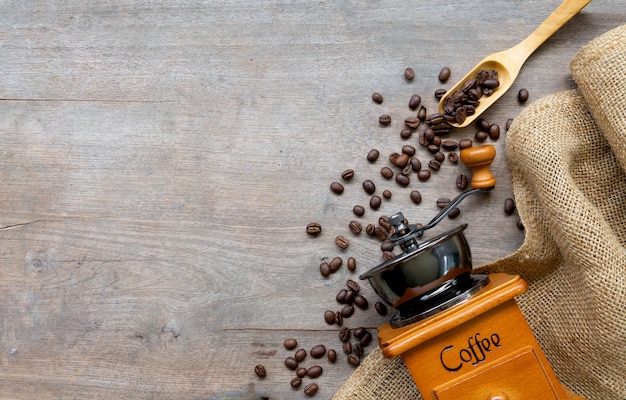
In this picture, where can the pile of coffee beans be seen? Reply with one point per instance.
(462, 103)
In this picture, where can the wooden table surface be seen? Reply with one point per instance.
(160, 161)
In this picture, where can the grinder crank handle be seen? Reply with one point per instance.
(478, 159)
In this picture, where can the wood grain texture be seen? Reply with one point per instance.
(160, 161)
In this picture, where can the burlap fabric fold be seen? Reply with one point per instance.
(567, 154)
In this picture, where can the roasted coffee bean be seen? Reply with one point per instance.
(291, 363)
(377, 97)
(384, 119)
(401, 160)
(351, 263)
(329, 317)
(416, 197)
(460, 114)
(422, 139)
(311, 389)
(522, 95)
(393, 157)
(465, 143)
(409, 74)
(387, 193)
(439, 156)
(494, 131)
(387, 245)
(354, 360)
(358, 210)
(349, 299)
(373, 155)
(453, 157)
(414, 102)
(290, 343)
(357, 349)
(388, 255)
(341, 296)
(318, 351)
(381, 233)
(335, 264)
(409, 150)
(325, 269)
(344, 334)
(412, 122)
(422, 113)
(432, 148)
(332, 356)
(481, 136)
(366, 339)
(444, 74)
(301, 372)
(406, 133)
(314, 228)
(462, 182)
(402, 179)
(348, 310)
(375, 202)
(383, 221)
(361, 302)
(370, 229)
(314, 372)
(369, 186)
(455, 212)
(296, 382)
(347, 174)
(336, 187)
(509, 206)
(407, 169)
(439, 93)
(355, 227)
(346, 347)
(386, 172)
(449, 145)
(300, 354)
(353, 285)
(442, 202)
(381, 308)
(520, 225)
(491, 84)
(434, 165)
(338, 318)
(423, 174)
(359, 332)
(482, 124)
(507, 126)
(416, 164)
(436, 141)
(342, 242)
(260, 371)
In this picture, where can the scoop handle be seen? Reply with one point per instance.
(478, 159)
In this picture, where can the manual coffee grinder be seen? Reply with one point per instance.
(461, 335)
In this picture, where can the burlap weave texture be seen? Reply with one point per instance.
(567, 154)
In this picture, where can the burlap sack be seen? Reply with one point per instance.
(567, 154)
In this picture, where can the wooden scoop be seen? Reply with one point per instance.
(509, 62)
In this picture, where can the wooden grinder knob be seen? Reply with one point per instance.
(478, 159)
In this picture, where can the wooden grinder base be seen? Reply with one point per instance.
(481, 349)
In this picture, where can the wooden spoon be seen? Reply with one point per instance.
(509, 62)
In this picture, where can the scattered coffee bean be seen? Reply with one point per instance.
(432, 148)
(347, 310)
(384, 119)
(401, 160)
(409, 74)
(361, 302)
(290, 343)
(386, 172)
(335, 264)
(373, 155)
(318, 351)
(325, 269)
(260, 371)
(358, 210)
(354, 360)
(455, 212)
(444, 74)
(301, 372)
(522, 95)
(383, 221)
(369, 186)
(377, 97)
(520, 225)
(296, 382)
(353, 285)
(482, 124)
(329, 317)
(338, 318)
(341, 296)
(462, 181)
(439, 93)
(406, 133)
(342, 242)
(453, 157)
(366, 339)
(412, 122)
(481, 136)
(494, 131)
(359, 332)
(416, 197)
(421, 113)
(381, 308)
(402, 179)
(300, 355)
(344, 334)
(381, 233)
(351, 263)
(408, 150)
(387, 245)
(442, 202)
(332, 356)
(291, 363)
(507, 126)
(346, 347)
(465, 144)
(434, 165)
(370, 229)
(423, 174)
(439, 156)
(314, 228)
(311, 389)
(387, 193)
(509, 206)
(347, 174)
(336, 187)
(314, 372)
(416, 164)
(415, 101)
(375, 202)
(449, 145)
(355, 227)
(358, 350)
